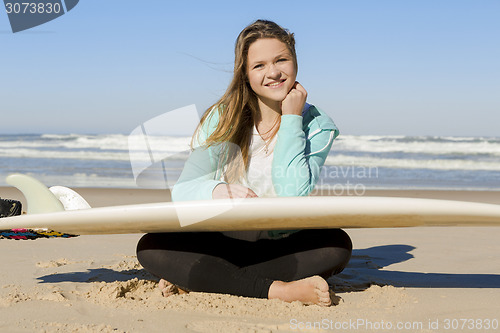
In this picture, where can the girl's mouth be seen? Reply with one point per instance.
(276, 84)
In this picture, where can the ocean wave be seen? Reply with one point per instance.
(418, 145)
(26, 153)
(116, 142)
(81, 179)
(454, 146)
(445, 139)
(399, 163)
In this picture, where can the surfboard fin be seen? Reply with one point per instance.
(69, 198)
(38, 197)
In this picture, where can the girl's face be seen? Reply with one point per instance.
(270, 70)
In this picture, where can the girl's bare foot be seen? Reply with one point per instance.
(311, 290)
(169, 289)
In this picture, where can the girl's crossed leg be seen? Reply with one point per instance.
(291, 268)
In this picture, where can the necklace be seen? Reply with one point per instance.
(270, 138)
(266, 145)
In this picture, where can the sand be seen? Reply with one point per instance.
(410, 279)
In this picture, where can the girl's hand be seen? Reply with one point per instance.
(295, 100)
(232, 191)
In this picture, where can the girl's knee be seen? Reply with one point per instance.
(338, 238)
(142, 242)
(141, 251)
(147, 248)
(339, 253)
(346, 240)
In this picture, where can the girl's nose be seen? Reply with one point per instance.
(273, 72)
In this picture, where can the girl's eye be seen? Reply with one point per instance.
(257, 66)
(282, 59)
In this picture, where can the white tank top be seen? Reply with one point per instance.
(258, 179)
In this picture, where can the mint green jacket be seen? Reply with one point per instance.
(303, 143)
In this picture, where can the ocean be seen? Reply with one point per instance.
(355, 163)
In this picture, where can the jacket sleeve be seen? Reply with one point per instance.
(301, 149)
(199, 175)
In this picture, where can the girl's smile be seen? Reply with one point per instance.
(276, 84)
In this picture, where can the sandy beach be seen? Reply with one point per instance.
(409, 279)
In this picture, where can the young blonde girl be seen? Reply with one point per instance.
(261, 139)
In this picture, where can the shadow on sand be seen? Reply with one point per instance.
(364, 269)
(97, 275)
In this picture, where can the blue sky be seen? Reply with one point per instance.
(381, 67)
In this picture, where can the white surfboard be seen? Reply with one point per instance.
(262, 214)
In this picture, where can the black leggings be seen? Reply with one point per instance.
(213, 262)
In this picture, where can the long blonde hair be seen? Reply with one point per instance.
(238, 106)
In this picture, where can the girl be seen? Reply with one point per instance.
(261, 139)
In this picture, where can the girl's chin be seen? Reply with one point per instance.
(272, 99)
(278, 96)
